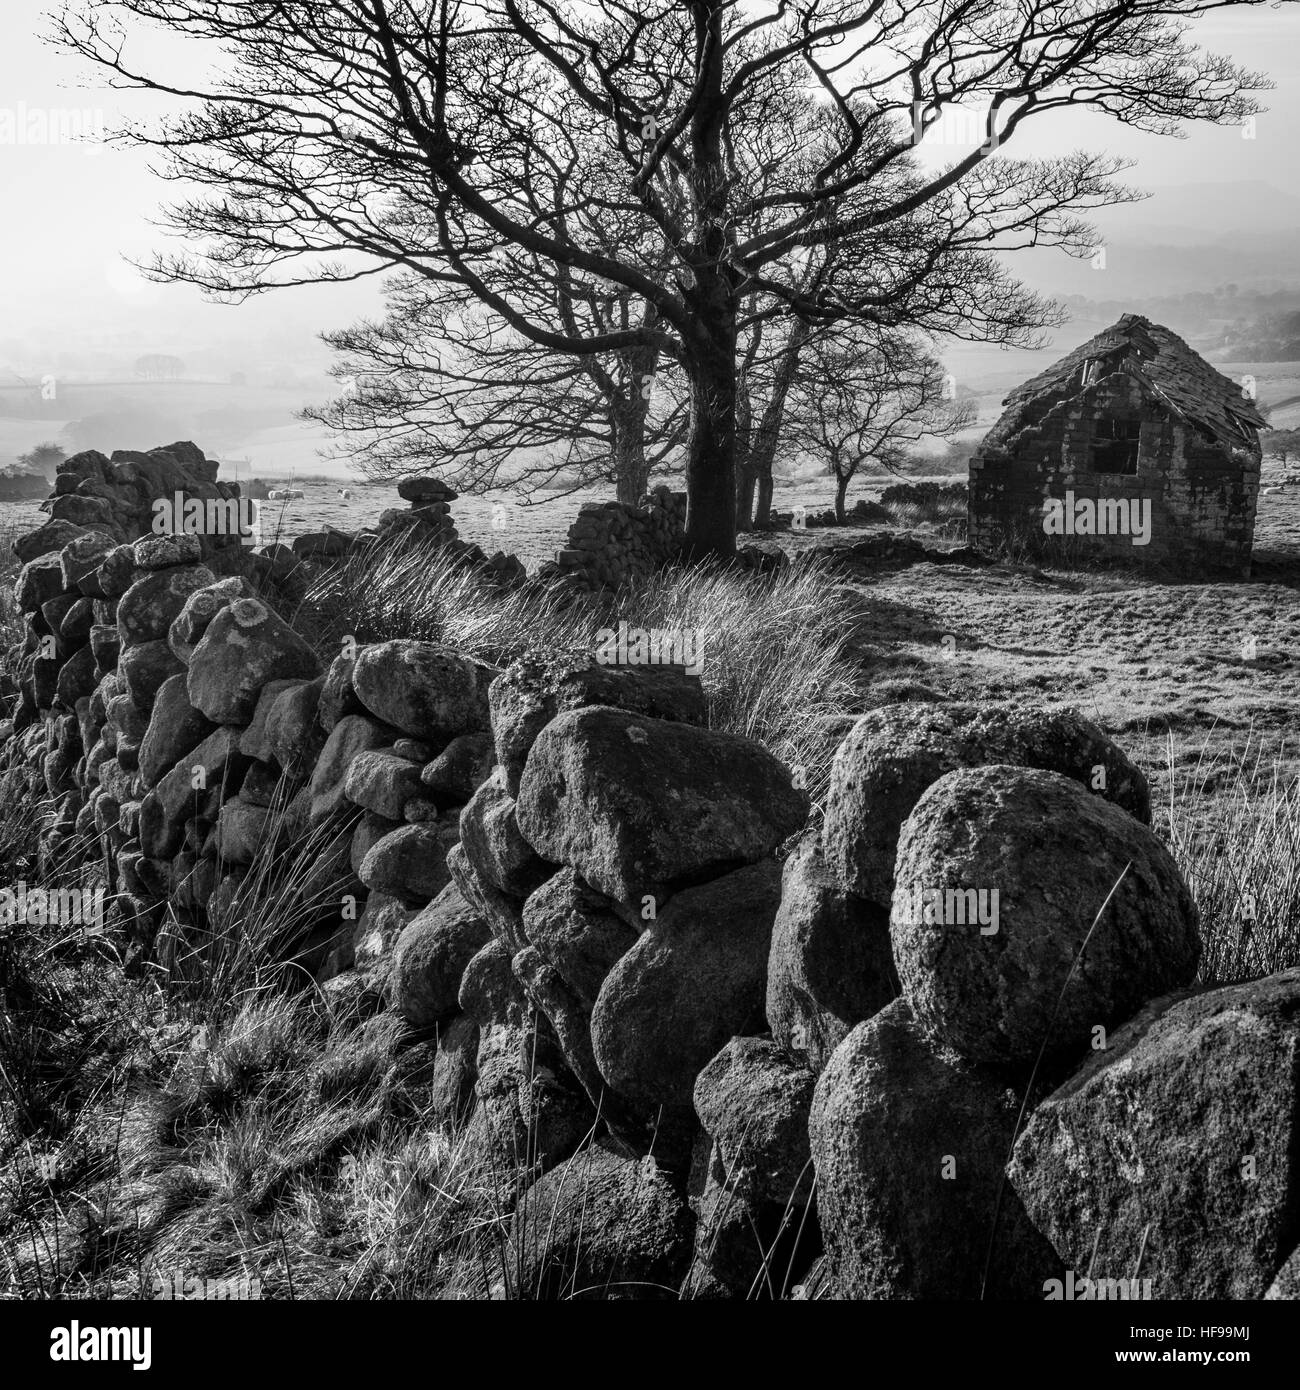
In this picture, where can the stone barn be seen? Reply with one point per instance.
(1131, 445)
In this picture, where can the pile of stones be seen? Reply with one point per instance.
(429, 520)
(613, 542)
(115, 496)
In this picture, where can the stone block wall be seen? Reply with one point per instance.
(1202, 496)
(612, 542)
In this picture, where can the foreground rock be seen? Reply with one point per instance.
(532, 692)
(1177, 1143)
(893, 754)
(574, 930)
(693, 980)
(431, 956)
(175, 727)
(909, 1145)
(350, 737)
(1021, 864)
(601, 1227)
(244, 647)
(410, 863)
(147, 610)
(639, 806)
(531, 1113)
(200, 608)
(757, 1233)
(427, 691)
(831, 964)
(489, 830)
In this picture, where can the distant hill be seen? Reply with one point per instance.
(1183, 239)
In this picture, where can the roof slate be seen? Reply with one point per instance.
(1158, 358)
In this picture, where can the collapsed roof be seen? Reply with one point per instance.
(1170, 372)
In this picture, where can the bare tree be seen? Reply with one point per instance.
(442, 383)
(1281, 444)
(423, 134)
(997, 309)
(858, 400)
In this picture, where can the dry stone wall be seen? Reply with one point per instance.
(613, 542)
(708, 1039)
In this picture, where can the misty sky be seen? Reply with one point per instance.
(72, 211)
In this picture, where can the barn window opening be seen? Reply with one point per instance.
(1115, 445)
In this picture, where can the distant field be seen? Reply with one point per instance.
(220, 417)
(18, 436)
(1274, 381)
(258, 422)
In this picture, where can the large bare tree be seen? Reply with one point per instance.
(347, 137)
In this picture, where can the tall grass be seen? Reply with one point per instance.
(775, 664)
(11, 619)
(288, 890)
(1232, 820)
(911, 504)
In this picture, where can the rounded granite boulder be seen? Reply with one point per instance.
(1029, 912)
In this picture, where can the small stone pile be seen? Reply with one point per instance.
(429, 519)
(97, 605)
(860, 513)
(613, 542)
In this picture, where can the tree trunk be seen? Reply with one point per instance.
(627, 433)
(745, 489)
(711, 354)
(629, 465)
(841, 487)
(764, 509)
(745, 475)
(763, 446)
(711, 456)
